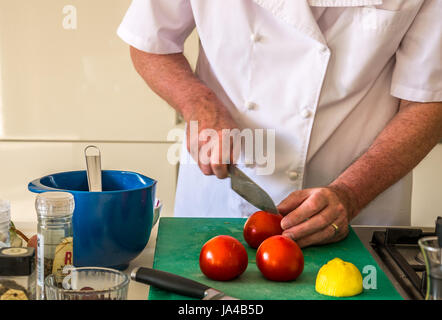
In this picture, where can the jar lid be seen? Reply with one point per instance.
(55, 204)
(18, 261)
(5, 213)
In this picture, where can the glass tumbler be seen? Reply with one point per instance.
(88, 283)
(432, 252)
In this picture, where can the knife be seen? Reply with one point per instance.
(177, 284)
(250, 191)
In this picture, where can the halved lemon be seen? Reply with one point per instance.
(338, 278)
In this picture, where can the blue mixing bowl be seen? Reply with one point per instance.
(111, 227)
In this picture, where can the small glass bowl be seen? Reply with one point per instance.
(88, 283)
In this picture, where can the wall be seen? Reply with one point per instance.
(66, 83)
(427, 189)
(62, 89)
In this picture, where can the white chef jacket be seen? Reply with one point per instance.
(327, 75)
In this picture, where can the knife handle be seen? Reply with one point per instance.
(170, 282)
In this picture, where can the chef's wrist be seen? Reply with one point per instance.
(348, 197)
(201, 103)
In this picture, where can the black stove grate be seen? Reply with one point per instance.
(388, 244)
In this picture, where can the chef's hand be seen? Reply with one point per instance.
(317, 216)
(212, 155)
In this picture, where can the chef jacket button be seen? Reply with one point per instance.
(255, 37)
(251, 105)
(306, 113)
(293, 175)
(324, 50)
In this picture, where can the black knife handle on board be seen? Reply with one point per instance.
(170, 282)
(439, 230)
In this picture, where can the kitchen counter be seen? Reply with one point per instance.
(138, 291)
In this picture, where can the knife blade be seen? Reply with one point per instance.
(250, 191)
(177, 284)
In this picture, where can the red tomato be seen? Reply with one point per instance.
(260, 226)
(223, 258)
(280, 259)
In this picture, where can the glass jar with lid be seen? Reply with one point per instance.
(54, 236)
(17, 273)
(5, 220)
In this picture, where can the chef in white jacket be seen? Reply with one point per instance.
(351, 88)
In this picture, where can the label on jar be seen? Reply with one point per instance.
(40, 265)
(63, 257)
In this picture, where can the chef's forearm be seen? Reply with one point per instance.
(171, 77)
(404, 142)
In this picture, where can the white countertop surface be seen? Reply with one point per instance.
(137, 291)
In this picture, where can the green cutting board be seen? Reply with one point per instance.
(180, 240)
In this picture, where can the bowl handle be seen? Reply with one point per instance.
(156, 211)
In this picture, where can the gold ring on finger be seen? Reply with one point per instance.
(336, 228)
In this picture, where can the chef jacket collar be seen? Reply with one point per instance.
(298, 13)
